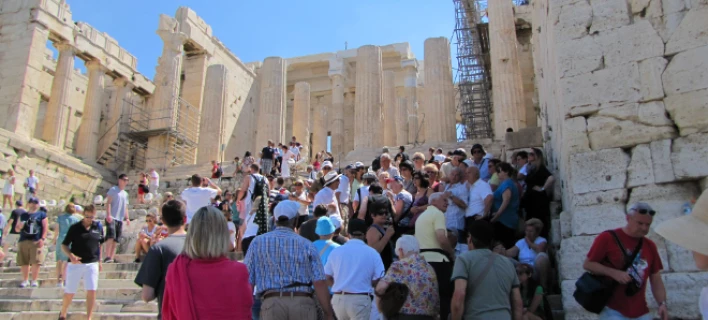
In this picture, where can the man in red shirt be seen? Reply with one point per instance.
(607, 259)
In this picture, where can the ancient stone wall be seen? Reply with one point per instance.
(623, 91)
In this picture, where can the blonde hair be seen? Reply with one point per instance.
(70, 208)
(151, 214)
(208, 235)
(418, 154)
(535, 223)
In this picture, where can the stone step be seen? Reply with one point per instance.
(77, 305)
(556, 301)
(57, 293)
(52, 283)
(52, 275)
(106, 267)
(52, 315)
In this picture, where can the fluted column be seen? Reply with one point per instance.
(301, 116)
(319, 129)
(389, 108)
(167, 80)
(271, 112)
(507, 85)
(407, 125)
(336, 73)
(87, 145)
(368, 122)
(439, 91)
(56, 120)
(211, 122)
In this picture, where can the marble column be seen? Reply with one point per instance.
(336, 73)
(56, 120)
(407, 125)
(319, 128)
(507, 85)
(440, 92)
(167, 80)
(301, 116)
(389, 108)
(211, 123)
(115, 110)
(87, 145)
(271, 112)
(368, 118)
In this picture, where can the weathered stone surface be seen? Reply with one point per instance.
(573, 252)
(680, 259)
(686, 72)
(634, 42)
(640, 170)
(609, 14)
(595, 219)
(650, 71)
(566, 224)
(611, 86)
(573, 311)
(666, 24)
(598, 170)
(606, 132)
(666, 199)
(688, 156)
(573, 20)
(661, 161)
(555, 233)
(688, 111)
(524, 138)
(579, 56)
(616, 196)
(691, 33)
(575, 135)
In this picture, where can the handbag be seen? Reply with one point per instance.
(592, 291)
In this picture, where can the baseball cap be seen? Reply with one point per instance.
(287, 209)
(396, 178)
(357, 226)
(350, 167)
(359, 165)
(324, 226)
(33, 200)
(18, 202)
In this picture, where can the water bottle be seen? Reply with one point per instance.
(687, 208)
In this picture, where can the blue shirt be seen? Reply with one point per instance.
(282, 260)
(454, 215)
(510, 216)
(324, 248)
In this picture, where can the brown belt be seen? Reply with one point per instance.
(349, 293)
(285, 294)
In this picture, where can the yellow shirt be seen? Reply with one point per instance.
(430, 220)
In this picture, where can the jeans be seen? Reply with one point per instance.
(609, 314)
(256, 308)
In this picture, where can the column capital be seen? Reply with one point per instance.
(63, 47)
(337, 67)
(408, 64)
(93, 65)
(122, 82)
(173, 40)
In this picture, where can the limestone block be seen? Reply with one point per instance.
(573, 311)
(555, 235)
(611, 86)
(598, 170)
(609, 14)
(680, 259)
(650, 71)
(638, 5)
(606, 132)
(691, 33)
(688, 156)
(635, 42)
(575, 135)
(566, 221)
(573, 20)
(673, 6)
(616, 196)
(666, 199)
(661, 161)
(653, 113)
(686, 72)
(683, 291)
(579, 56)
(573, 252)
(688, 111)
(595, 219)
(640, 170)
(666, 24)
(524, 138)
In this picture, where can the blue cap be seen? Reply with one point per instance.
(324, 226)
(33, 200)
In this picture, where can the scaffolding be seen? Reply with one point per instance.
(473, 77)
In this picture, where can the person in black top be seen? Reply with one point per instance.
(267, 158)
(402, 154)
(307, 229)
(82, 245)
(537, 198)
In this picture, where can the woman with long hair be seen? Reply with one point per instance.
(420, 199)
(531, 293)
(505, 209)
(248, 160)
(8, 191)
(186, 295)
(64, 221)
(147, 236)
(539, 189)
(142, 185)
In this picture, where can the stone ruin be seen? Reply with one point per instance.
(615, 91)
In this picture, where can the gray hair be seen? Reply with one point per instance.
(208, 234)
(435, 196)
(409, 244)
(386, 156)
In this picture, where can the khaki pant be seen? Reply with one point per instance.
(352, 307)
(29, 254)
(289, 308)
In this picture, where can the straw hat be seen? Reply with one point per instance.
(689, 231)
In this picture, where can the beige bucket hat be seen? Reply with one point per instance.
(689, 231)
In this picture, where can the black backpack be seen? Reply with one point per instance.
(259, 189)
(219, 172)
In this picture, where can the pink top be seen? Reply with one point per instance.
(206, 289)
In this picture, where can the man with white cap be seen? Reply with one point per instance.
(689, 232)
(628, 257)
(327, 197)
(285, 287)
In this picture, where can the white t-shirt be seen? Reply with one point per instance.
(439, 158)
(251, 227)
(344, 189)
(197, 197)
(32, 182)
(154, 178)
(364, 193)
(303, 208)
(526, 254)
(478, 192)
(353, 266)
(232, 232)
(325, 197)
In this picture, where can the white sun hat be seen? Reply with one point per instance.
(689, 231)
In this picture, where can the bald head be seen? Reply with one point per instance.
(472, 174)
(457, 175)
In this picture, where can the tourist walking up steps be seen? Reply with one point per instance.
(224, 293)
(197, 196)
(33, 233)
(287, 288)
(8, 191)
(116, 213)
(268, 158)
(82, 245)
(153, 271)
(64, 222)
(32, 185)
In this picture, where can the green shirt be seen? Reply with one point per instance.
(355, 186)
(492, 297)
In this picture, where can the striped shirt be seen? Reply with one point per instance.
(282, 260)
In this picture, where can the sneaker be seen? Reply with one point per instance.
(137, 260)
(24, 284)
(108, 260)
(60, 284)
(34, 284)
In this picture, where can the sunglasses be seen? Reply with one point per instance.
(148, 220)
(125, 179)
(476, 151)
(645, 211)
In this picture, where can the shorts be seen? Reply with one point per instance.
(86, 271)
(114, 230)
(29, 254)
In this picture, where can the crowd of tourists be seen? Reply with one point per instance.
(436, 236)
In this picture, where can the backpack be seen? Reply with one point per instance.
(219, 172)
(259, 189)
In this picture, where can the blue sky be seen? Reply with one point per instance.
(254, 30)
